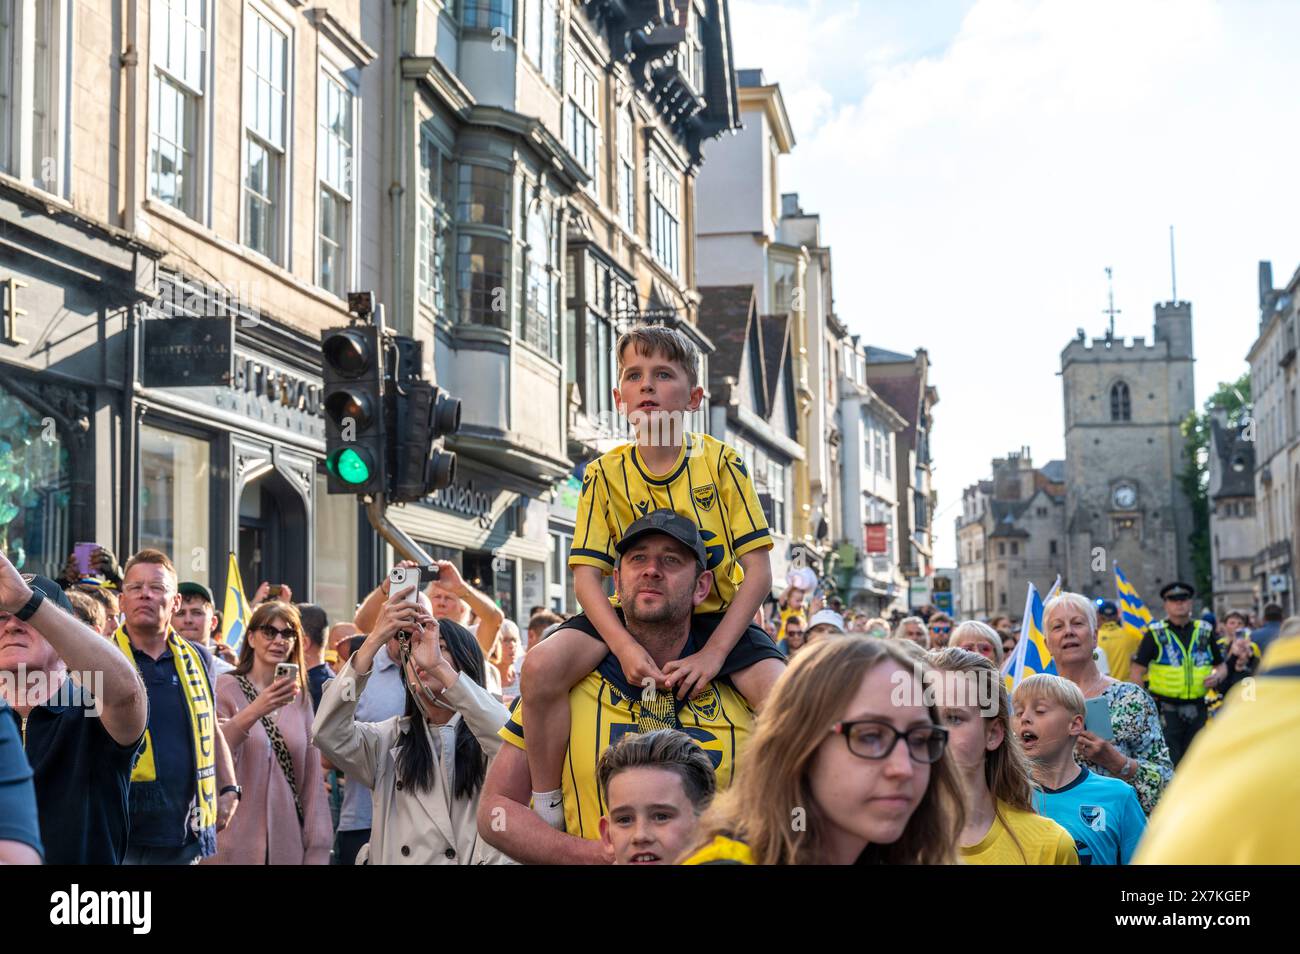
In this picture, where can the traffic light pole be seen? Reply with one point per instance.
(398, 539)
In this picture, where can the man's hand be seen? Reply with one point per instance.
(1215, 678)
(104, 563)
(689, 676)
(226, 805)
(71, 571)
(449, 579)
(638, 666)
(14, 591)
(224, 651)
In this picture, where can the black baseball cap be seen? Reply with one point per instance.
(51, 590)
(667, 522)
(1107, 608)
(190, 588)
(1177, 590)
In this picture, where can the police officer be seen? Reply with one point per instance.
(1180, 660)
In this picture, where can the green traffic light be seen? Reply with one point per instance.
(350, 467)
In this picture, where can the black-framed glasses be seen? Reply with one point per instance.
(272, 633)
(872, 739)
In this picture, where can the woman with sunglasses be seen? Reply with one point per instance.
(1002, 825)
(266, 721)
(847, 766)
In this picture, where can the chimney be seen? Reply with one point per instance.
(1265, 282)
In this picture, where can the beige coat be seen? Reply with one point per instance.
(409, 827)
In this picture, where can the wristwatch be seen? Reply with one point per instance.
(239, 792)
(31, 606)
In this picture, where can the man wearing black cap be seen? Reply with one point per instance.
(196, 620)
(81, 739)
(1117, 641)
(660, 578)
(1179, 660)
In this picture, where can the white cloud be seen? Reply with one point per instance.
(972, 197)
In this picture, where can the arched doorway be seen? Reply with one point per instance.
(273, 535)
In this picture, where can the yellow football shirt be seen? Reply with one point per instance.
(1246, 756)
(1042, 840)
(721, 851)
(708, 485)
(1119, 643)
(718, 719)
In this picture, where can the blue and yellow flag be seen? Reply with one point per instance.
(1133, 613)
(235, 616)
(1030, 655)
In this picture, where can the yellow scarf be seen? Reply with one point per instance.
(203, 720)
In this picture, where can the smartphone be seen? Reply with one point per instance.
(1098, 718)
(286, 669)
(273, 591)
(82, 553)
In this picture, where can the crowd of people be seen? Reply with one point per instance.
(683, 717)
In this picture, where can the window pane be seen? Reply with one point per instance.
(481, 264)
(173, 507)
(484, 196)
(34, 486)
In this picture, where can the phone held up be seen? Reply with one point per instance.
(404, 582)
(286, 669)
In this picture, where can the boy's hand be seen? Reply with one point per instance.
(638, 666)
(689, 676)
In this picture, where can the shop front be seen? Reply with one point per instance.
(229, 445)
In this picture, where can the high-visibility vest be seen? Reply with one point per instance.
(1178, 671)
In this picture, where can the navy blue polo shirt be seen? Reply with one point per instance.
(82, 777)
(160, 810)
(317, 676)
(17, 795)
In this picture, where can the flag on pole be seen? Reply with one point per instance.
(1030, 655)
(1133, 613)
(235, 616)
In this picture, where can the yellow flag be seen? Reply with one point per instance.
(235, 616)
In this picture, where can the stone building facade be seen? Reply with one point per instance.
(1234, 533)
(1124, 452)
(1011, 532)
(1276, 415)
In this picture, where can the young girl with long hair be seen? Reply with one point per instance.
(1002, 827)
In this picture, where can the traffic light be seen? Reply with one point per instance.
(421, 415)
(355, 455)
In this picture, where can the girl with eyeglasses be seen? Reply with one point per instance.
(284, 814)
(848, 765)
(1002, 826)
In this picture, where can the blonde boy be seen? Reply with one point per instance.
(1102, 814)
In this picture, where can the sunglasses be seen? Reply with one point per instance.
(942, 629)
(272, 634)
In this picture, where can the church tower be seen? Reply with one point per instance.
(1124, 454)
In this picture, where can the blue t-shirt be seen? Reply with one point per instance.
(160, 810)
(17, 793)
(1102, 815)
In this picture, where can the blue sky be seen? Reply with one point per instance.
(978, 163)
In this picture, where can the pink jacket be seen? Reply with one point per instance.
(265, 828)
